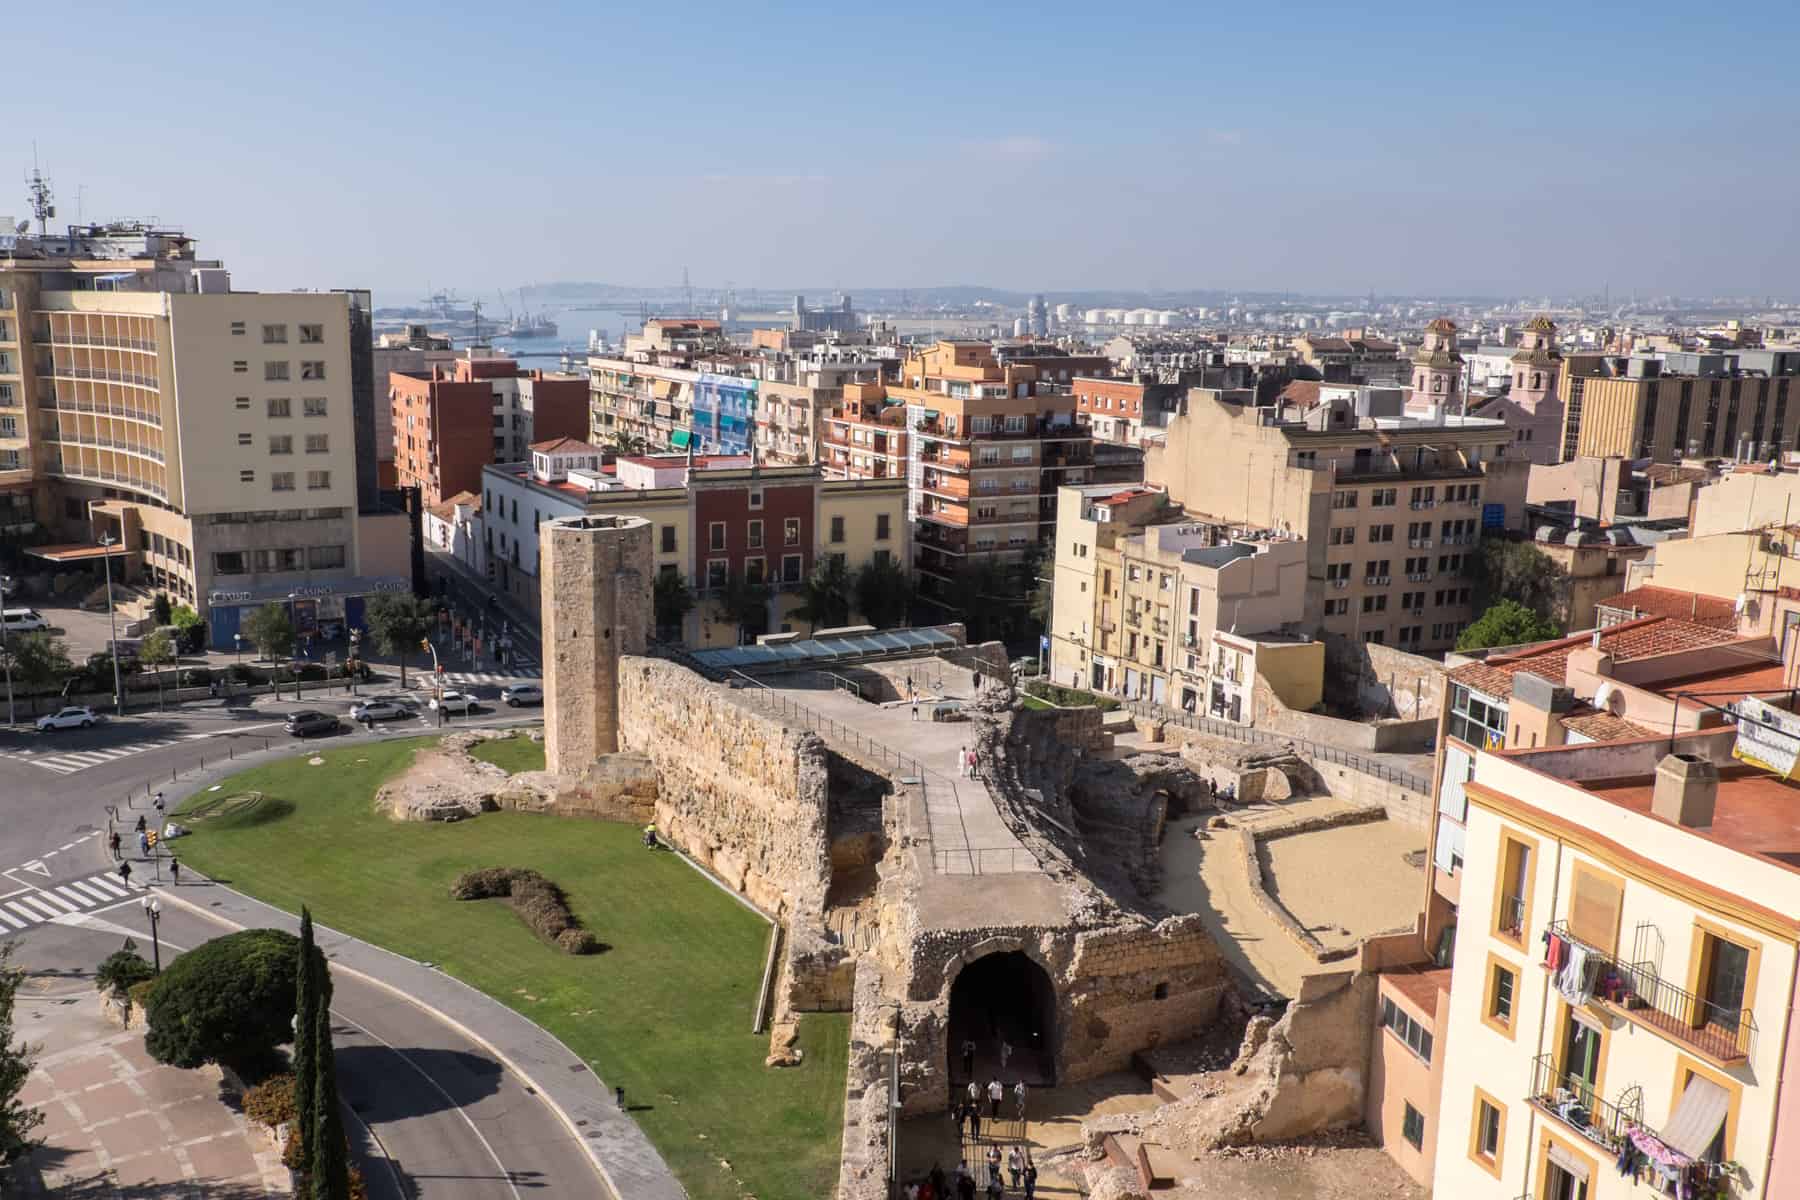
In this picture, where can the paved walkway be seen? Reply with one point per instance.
(618, 1148)
(968, 836)
(116, 1122)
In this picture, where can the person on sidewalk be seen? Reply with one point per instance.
(1005, 1053)
(160, 810)
(1030, 1177)
(125, 873)
(174, 871)
(112, 843)
(1019, 1097)
(993, 1164)
(143, 844)
(996, 1093)
(938, 1188)
(974, 1122)
(140, 823)
(962, 760)
(1015, 1166)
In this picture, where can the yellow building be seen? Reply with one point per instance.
(1649, 408)
(1625, 957)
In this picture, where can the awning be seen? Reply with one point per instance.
(1698, 1117)
(660, 388)
(77, 552)
(1568, 1162)
(680, 439)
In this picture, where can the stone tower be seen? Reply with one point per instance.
(1438, 368)
(596, 580)
(1534, 408)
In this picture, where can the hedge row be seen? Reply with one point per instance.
(539, 903)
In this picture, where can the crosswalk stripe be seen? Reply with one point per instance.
(71, 895)
(31, 915)
(33, 904)
(55, 899)
(105, 883)
(9, 919)
(94, 895)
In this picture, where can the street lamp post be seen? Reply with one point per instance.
(237, 642)
(437, 678)
(12, 713)
(153, 910)
(107, 541)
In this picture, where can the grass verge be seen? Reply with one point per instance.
(665, 1013)
(511, 754)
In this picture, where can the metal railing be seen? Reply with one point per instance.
(1573, 1101)
(984, 860)
(1254, 736)
(101, 339)
(99, 407)
(1511, 918)
(1640, 993)
(103, 374)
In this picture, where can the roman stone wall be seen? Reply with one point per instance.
(739, 790)
(1381, 680)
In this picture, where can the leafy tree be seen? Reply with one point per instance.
(1518, 570)
(270, 631)
(1507, 623)
(980, 594)
(673, 600)
(744, 602)
(122, 968)
(18, 1121)
(192, 627)
(155, 652)
(883, 592)
(160, 610)
(825, 595)
(329, 1158)
(37, 660)
(399, 622)
(230, 1000)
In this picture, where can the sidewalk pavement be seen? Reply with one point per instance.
(621, 1153)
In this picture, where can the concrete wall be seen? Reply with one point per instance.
(1385, 682)
(739, 790)
(1275, 717)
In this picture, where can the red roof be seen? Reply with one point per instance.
(1625, 642)
(1673, 602)
(1127, 494)
(564, 445)
(1304, 392)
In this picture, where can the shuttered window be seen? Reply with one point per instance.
(1594, 906)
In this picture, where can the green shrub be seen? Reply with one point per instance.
(122, 969)
(230, 1001)
(271, 1101)
(196, 677)
(140, 992)
(539, 903)
(312, 672)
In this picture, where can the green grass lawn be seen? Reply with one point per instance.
(665, 1013)
(511, 754)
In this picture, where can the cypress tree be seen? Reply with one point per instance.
(305, 1048)
(330, 1154)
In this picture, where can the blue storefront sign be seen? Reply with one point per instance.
(1493, 516)
(324, 610)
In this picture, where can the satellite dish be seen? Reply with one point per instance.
(22, 227)
(1604, 697)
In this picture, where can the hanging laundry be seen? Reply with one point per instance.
(1576, 980)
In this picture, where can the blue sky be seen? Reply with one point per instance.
(1496, 149)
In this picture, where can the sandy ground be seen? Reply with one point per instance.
(1199, 877)
(1307, 874)
(1054, 1123)
(1363, 1173)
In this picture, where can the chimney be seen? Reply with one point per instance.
(1687, 787)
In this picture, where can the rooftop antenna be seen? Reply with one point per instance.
(688, 289)
(41, 196)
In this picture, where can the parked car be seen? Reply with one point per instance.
(522, 693)
(77, 717)
(454, 702)
(378, 709)
(23, 620)
(310, 721)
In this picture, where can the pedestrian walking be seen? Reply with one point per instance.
(1005, 1053)
(962, 760)
(619, 1098)
(212, 688)
(965, 1182)
(974, 1122)
(1030, 1177)
(994, 1190)
(174, 871)
(1019, 1098)
(140, 823)
(969, 1057)
(937, 1183)
(974, 1090)
(1015, 1166)
(143, 844)
(159, 805)
(915, 708)
(112, 843)
(993, 1164)
(125, 873)
(996, 1093)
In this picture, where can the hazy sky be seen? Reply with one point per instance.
(1494, 148)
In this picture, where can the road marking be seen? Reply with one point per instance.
(30, 915)
(9, 919)
(67, 893)
(66, 846)
(93, 894)
(57, 900)
(36, 864)
(33, 904)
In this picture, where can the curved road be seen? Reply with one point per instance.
(452, 1121)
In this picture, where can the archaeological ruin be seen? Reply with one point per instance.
(1020, 921)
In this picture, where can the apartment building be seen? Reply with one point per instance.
(1622, 1013)
(1680, 405)
(413, 351)
(1390, 504)
(482, 408)
(648, 397)
(216, 436)
(864, 436)
(797, 395)
(1126, 411)
(1153, 604)
(716, 517)
(987, 445)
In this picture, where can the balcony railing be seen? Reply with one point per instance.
(100, 407)
(68, 371)
(1638, 992)
(1511, 918)
(1572, 1100)
(99, 339)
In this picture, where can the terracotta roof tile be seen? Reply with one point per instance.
(565, 445)
(1628, 641)
(1714, 611)
(1603, 726)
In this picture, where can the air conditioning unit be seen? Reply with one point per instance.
(1383, 581)
(1413, 543)
(1340, 583)
(1431, 504)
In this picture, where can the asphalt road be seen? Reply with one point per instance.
(446, 1118)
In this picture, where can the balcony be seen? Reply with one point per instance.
(100, 407)
(69, 438)
(1134, 619)
(947, 485)
(1572, 1101)
(100, 339)
(945, 456)
(1638, 993)
(1511, 917)
(102, 374)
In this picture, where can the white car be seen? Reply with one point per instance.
(23, 620)
(378, 710)
(522, 693)
(454, 702)
(79, 717)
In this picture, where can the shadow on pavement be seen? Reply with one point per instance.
(381, 1087)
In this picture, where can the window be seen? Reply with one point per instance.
(790, 531)
(1382, 498)
(1381, 533)
(1343, 499)
(6, 395)
(237, 328)
(715, 535)
(1412, 1121)
(281, 481)
(246, 476)
(318, 481)
(1374, 604)
(229, 562)
(275, 372)
(245, 439)
(274, 335)
(756, 534)
(837, 530)
(1502, 989)
(325, 558)
(1399, 1023)
(241, 366)
(312, 335)
(715, 573)
(1725, 973)
(311, 370)
(318, 443)
(242, 403)
(756, 499)
(1512, 902)
(668, 539)
(790, 568)
(279, 406)
(313, 406)
(1337, 608)
(883, 527)
(756, 569)
(1488, 1133)
(281, 443)
(1344, 536)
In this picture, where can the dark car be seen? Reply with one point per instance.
(305, 724)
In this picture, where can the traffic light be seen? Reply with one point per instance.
(150, 839)
(425, 643)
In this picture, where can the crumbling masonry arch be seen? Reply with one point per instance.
(1001, 991)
